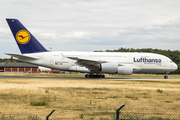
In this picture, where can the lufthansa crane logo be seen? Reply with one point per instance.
(23, 36)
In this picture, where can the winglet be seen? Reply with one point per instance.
(26, 41)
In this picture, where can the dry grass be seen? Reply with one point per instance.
(87, 97)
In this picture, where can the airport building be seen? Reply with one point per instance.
(18, 67)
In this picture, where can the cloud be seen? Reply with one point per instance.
(89, 25)
(76, 34)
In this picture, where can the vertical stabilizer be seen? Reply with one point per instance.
(26, 41)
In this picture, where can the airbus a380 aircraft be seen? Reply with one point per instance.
(93, 63)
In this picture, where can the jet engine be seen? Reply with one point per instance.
(109, 67)
(125, 70)
(113, 68)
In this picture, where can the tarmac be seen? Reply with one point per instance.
(76, 78)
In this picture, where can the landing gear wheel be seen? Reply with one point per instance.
(102, 76)
(94, 76)
(165, 77)
(86, 76)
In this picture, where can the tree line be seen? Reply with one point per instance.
(173, 55)
(8, 60)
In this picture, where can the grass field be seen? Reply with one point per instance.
(88, 98)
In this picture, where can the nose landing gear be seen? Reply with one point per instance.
(165, 76)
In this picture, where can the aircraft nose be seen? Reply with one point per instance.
(175, 66)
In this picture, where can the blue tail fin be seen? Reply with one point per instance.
(26, 41)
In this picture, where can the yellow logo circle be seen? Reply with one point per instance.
(23, 36)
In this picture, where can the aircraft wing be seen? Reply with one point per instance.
(86, 60)
(24, 57)
(92, 64)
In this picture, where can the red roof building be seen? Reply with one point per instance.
(18, 67)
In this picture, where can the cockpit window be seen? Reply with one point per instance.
(171, 61)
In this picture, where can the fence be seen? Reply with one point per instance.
(112, 113)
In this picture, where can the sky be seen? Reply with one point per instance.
(89, 25)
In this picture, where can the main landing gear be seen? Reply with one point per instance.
(94, 76)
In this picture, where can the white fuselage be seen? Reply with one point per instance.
(141, 62)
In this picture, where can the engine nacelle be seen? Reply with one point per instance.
(109, 68)
(125, 70)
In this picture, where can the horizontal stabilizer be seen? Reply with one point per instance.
(24, 57)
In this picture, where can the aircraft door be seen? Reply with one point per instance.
(141, 64)
(164, 63)
(51, 62)
(84, 55)
(130, 57)
(73, 63)
(138, 61)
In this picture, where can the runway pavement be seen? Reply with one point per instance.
(75, 78)
(25, 77)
